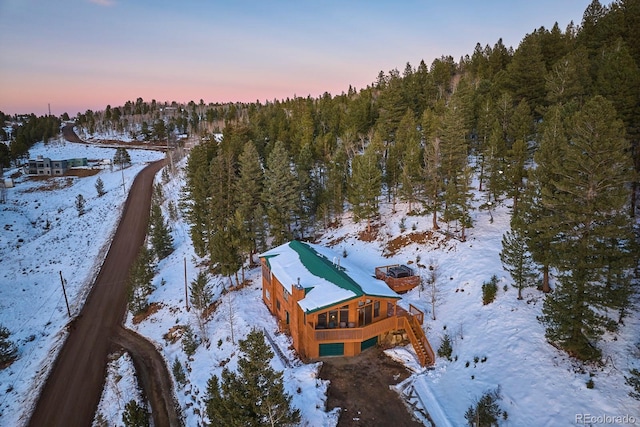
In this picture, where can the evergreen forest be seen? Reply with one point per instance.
(550, 127)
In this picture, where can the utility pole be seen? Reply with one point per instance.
(124, 190)
(186, 294)
(64, 291)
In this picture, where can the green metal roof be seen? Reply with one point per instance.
(315, 263)
(320, 266)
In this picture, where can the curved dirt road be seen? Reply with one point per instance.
(153, 375)
(72, 391)
(70, 135)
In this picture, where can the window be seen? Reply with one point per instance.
(286, 294)
(344, 316)
(322, 321)
(333, 319)
(364, 315)
(278, 305)
(267, 294)
(338, 318)
(367, 311)
(266, 274)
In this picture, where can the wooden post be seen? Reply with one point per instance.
(186, 293)
(65, 295)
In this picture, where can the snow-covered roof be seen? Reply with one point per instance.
(327, 278)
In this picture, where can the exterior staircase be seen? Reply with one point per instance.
(412, 324)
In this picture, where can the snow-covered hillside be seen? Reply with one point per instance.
(500, 344)
(43, 236)
(539, 384)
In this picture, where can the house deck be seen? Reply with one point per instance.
(400, 285)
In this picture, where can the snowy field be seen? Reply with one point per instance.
(498, 345)
(42, 235)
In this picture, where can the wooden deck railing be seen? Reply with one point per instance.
(400, 285)
(355, 334)
(417, 313)
(410, 321)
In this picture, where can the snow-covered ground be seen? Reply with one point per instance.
(539, 384)
(41, 237)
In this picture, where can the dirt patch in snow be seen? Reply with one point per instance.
(370, 234)
(360, 387)
(421, 238)
(49, 184)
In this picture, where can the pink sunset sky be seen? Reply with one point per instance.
(76, 55)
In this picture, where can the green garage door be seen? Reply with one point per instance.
(368, 343)
(332, 349)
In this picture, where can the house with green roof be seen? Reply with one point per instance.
(331, 307)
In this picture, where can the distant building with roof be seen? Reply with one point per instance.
(45, 166)
(331, 307)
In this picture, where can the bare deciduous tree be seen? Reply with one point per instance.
(431, 280)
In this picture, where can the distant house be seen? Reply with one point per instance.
(331, 307)
(78, 162)
(45, 166)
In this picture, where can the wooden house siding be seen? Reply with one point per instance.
(347, 327)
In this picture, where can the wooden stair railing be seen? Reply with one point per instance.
(418, 339)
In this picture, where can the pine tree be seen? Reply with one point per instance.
(408, 138)
(222, 185)
(121, 157)
(160, 234)
(633, 380)
(201, 293)
(432, 164)
(516, 172)
(364, 185)
(569, 78)
(589, 197)
(80, 204)
(157, 195)
(280, 194)
(135, 415)
(526, 72)
(139, 281)
(178, 372)
(201, 296)
(309, 191)
(8, 349)
(457, 202)
(539, 221)
(618, 80)
(496, 164)
(196, 197)
(336, 185)
(485, 118)
(254, 396)
(520, 124)
(392, 106)
(190, 341)
(455, 170)
(100, 187)
(445, 349)
(517, 260)
(486, 411)
(225, 250)
(248, 190)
